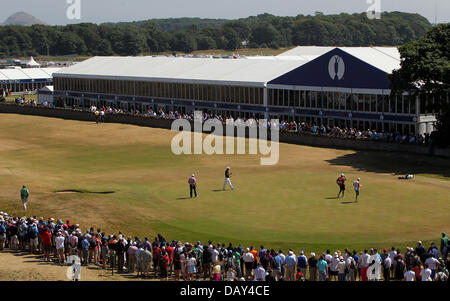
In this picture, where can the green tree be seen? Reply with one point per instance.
(205, 43)
(264, 33)
(425, 69)
(232, 40)
(183, 41)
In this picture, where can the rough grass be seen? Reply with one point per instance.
(290, 205)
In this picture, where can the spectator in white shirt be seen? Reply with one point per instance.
(426, 274)
(392, 255)
(59, 241)
(410, 276)
(248, 262)
(432, 263)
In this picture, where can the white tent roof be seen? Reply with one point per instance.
(255, 72)
(35, 73)
(307, 51)
(14, 74)
(2, 76)
(384, 58)
(47, 88)
(50, 70)
(27, 73)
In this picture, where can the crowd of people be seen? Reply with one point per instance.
(285, 126)
(56, 240)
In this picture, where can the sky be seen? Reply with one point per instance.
(54, 12)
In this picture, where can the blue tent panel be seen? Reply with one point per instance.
(336, 68)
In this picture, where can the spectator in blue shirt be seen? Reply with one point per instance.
(290, 261)
(262, 251)
(278, 263)
(302, 262)
(322, 265)
(85, 250)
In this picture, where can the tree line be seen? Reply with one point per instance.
(190, 34)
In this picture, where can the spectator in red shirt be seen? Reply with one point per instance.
(163, 265)
(156, 253)
(169, 250)
(46, 243)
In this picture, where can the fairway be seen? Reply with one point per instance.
(128, 180)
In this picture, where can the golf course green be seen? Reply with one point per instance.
(126, 178)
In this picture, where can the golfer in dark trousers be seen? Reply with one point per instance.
(193, 185)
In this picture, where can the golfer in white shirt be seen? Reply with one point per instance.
(227, 179)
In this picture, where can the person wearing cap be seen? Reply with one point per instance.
(341, 267)
(24, 194)
(248, 259)
(421, 252)
(59, 240)
(312, 263)
(131, 262)
(341, 183)
(442, 272)
(387, 264)
(333, 266)
(193, 185)
(291, 262)
(13, 239)
(357, 186)
(227, 179)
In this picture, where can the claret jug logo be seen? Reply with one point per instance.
(336, 68)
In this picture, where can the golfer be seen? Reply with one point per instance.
(227, 179)
(341, 182)
(97, 116)
(24, 193)
(193, 185)
(357, 186)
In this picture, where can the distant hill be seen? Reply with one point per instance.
(23, 19)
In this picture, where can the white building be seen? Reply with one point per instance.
(345, 86)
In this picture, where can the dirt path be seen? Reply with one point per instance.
(27, 267)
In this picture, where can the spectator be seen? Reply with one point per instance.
(46, 243)
(312, 263)
(260, 273)
(290, 266)
(322, 266)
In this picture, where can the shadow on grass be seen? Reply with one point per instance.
(332, 198)
(84, 191)
(394, 163)
(217, 190)
(348, 203)
(185, 198)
